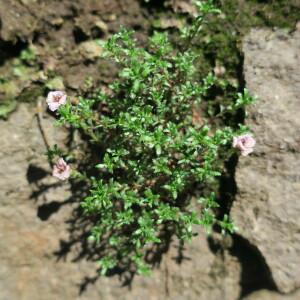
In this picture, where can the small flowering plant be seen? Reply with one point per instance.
(153, 166)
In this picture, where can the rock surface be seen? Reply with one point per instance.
(34, 219)
(267, 295)
(267, 207)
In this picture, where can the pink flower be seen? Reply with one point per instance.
(245, 143)
(219, 71)
(56, 99)
(61, 169)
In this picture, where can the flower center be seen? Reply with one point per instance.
(56, 98)
(244, 141)
(61, 168)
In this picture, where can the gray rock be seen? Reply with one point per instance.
(11, 16)
(268, 295)
(267, 207)
(90, 50)
(32, 226)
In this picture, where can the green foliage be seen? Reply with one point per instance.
(6, 107)
(28, 55)
(152, 157)
(221, 39)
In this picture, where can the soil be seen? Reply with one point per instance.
(53, 44)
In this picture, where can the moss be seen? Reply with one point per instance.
(7, 107)
(272, 13)
(220, 43)
(8, 90)
(222, 37)
(16, 83)
(31, 93)
(29, 55)
(55, 83)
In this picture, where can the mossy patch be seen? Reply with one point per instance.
(220, 42)
(18, 74)
(7, 107)
(218, 45)
(222, 37)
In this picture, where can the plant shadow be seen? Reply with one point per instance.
(77, 247)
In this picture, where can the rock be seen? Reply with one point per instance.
(56, 83)
(21, 144)
(267, 206)
(43, 256)
(268, 295)
(90, 50)
(91, 26)
(166, 23)
(186, 6)
(28, 2)
(102, 26)
(15, 21)
(6, 107)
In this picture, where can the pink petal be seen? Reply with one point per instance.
(244, 143)
(250, 142)
(61, 169)
(235, 141)
(53, 106)
(63, 100)
(247, 151)
(55, 99)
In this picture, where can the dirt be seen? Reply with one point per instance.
(53, 45)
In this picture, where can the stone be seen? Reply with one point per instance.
(28, 2)
(267, 206)
(184, 6)
(102, 26)
(56, 83)
(166, 23)
(15, 21)
(42, 239)
(90, 50)
(268, 295)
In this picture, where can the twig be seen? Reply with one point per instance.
(167, 290)
(39, 115)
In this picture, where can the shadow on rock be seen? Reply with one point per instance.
(256, 274)
(77, 245)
